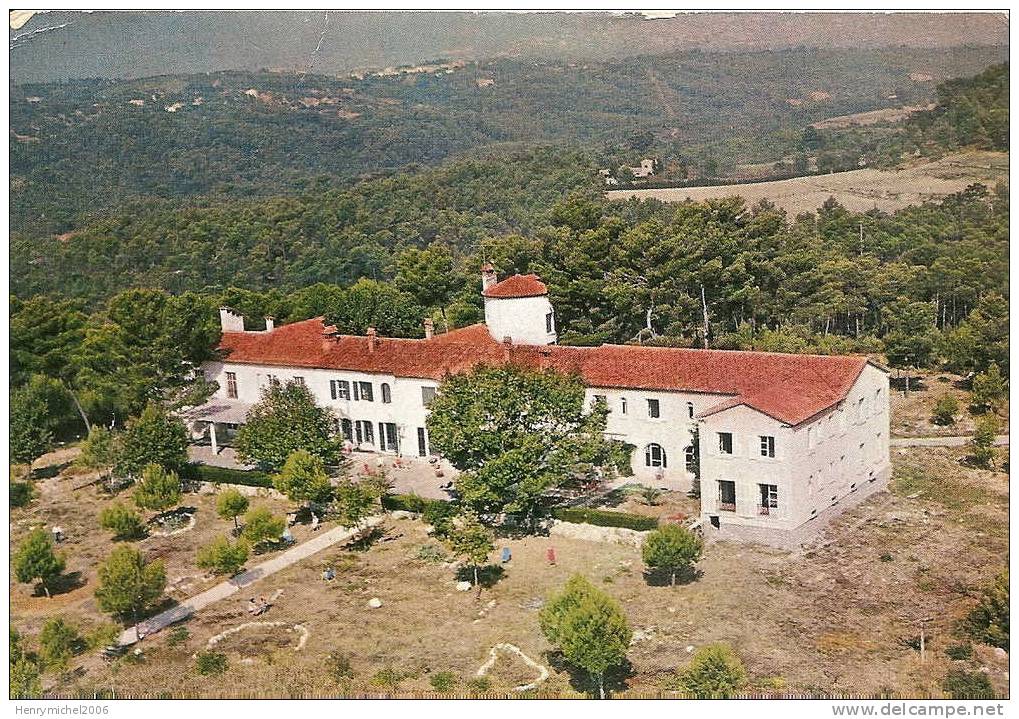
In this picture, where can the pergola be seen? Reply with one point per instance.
(218, 411)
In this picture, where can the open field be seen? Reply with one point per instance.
(912, 414)
(839, 617)
(873, 117)
(857, 190)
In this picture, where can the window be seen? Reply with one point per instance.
(622, 405)
(689, 410)
(387, 394)
(691, 459)
(653, 409)
(339, 389)
(549, 323)
(725, 442)
(769, 498)
(273, 379)
(299, 380)
(654, 456)
(231, 385)
(726, 495)
(599, 399)
(364, 432)
(389, 440)
(422, 442)
(363, 391)
(347, 428)
(427, 395)
(767, 446)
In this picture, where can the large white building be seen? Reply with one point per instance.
(782, 441)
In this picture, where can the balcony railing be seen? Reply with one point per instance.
(726, 506)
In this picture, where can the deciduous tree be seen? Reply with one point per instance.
(231, 504)
(154, 437)
(471, 540)
(286, 419)
(222, 556)
(303, 478)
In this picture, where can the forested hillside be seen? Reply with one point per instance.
(85, 146)
(926, 286)
(970, 112)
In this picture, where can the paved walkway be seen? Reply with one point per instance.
(1000, 440)
(233, 585)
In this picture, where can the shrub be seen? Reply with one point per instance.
(158, 489)
(673, 549)
(209, 663)
(178, 636)
(260, 525)
(603, 518)
(989, 389)
(24, 680)
(990, 619)
(223, 557)
(962, 684)
(716, 672)
(35, 559)
(120, 520)
(387, 678)
(224, 475)
(98, 449)
(982, 444)
(431, 553)
(945, 409)
(443, 682)
(58, 642)
(102, 636)
(405, 502)
(339, 668)
(960, 651)
(21, 494)
(479, 685)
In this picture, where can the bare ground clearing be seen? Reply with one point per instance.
(857, 190)
(837, 618)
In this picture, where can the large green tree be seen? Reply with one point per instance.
(369, 303)
(286, 419)
(589, 627)
(515, 434)
(128, 585)
(154, 437)
(303, 478)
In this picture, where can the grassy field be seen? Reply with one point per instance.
(839, 617)
(857, 190)
(912, 414)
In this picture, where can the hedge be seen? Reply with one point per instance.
(602, 518)
(224, 475)
(409, 503)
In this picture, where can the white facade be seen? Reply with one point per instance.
(525, 320)
(833, 459)
(760, 478)
(404, 412)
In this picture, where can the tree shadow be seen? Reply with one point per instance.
(663, 578)
(48, 472)
(488, 575)
(581, 681)
(67, 582)
(916, 384)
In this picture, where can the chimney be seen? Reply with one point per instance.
(373, 340)
(429, 328)
(488, 277)
(270, 323)
(230, 321)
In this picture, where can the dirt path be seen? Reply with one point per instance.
(233, 585)
(1001, 441)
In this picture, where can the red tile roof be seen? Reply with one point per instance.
(790, 388)
(517, 286)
